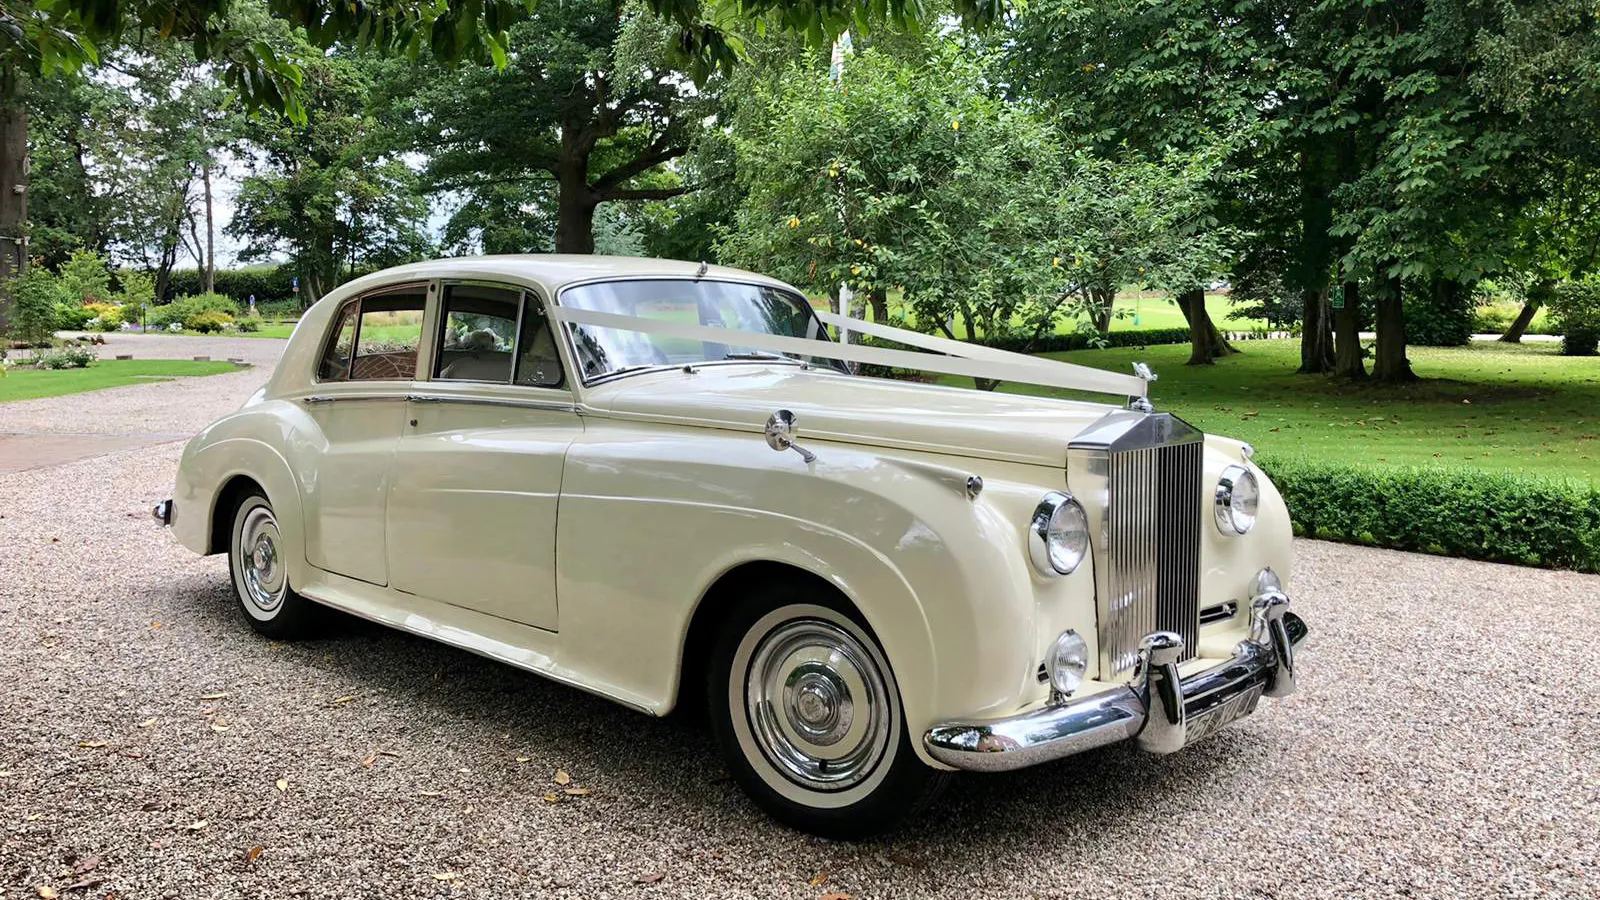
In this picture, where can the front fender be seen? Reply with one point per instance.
(650, 520)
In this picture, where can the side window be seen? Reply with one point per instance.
(479, 333)
(376, 338)
(538, 360)
(335, 365)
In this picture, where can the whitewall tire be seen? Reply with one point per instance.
(261, 574)
(806, 709)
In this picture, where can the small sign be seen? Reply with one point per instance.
(295, 283)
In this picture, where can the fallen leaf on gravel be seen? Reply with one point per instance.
(87, 864)
(219, 728)
(155, 626)
(147, 723)
(217, 696)
(431, 793)
(818, 879)
(523, 759)
(446, 876)
(84, 884)
(282, 785)
(254, 852)
(650, 879)
(33, 817)
(562, 777)
(834, 896)
(91, 744)
(551, 798)
(45, 891)
(577, 792)
(338, 700)
(197, 825)
(370, 760)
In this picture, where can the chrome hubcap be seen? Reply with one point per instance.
(262, 573)
(818, 705)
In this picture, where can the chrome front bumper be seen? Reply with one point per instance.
(1156, 708)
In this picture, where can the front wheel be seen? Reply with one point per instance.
(807, 712)
(261, 575)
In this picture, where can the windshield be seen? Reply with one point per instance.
(717, 304)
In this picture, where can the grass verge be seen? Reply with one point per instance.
(20, 383)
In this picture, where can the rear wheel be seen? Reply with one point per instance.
(261, 575)
(807, 712)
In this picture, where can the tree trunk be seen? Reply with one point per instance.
(575, 205)
(1314, 260)
(1347, 359)
(1389, 362)
(1538, 293)
(1206, 342)
(1104, 299)
(211, 229)
(880, 304)
(13, 186)
(1316, 336)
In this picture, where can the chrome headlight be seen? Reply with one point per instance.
(1068, 660)
(1238, 494)
(1058, 534)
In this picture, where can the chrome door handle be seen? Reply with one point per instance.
(424, 398)
(317, 399)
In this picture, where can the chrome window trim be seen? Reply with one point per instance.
(350, 396)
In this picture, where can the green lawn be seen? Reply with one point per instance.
(20, 383)
(1501, 407)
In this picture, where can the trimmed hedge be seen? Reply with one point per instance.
(275, 284)
(1477, 515)
(1060, 343)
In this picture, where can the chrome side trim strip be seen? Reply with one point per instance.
(335, 398)
(555, 405)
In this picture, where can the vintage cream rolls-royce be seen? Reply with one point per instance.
(662, 483)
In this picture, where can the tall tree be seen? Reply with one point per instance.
(589, 109)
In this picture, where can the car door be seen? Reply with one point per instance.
(357, 408)
(477, 473)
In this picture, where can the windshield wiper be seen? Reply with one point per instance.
(757, 354)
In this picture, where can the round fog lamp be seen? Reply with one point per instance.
(1238, 494)
(1068, 660)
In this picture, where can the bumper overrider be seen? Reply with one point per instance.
(1156, 708)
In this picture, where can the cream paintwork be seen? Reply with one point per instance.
(665, 485)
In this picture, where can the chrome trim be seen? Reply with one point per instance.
(1156, 710)
(1039, 534)
(554, 405)
(1220, 612)
(1222, 500)
(162, 512)
(332, 398)
(974, 486)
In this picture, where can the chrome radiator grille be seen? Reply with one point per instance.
(1153, 549)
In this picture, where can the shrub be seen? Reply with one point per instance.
(1478, 515)
(185, 310)
(85, 278)
(35, 295)
(208, 322)
(249, 324)
(66, 358)
(1438, 318)
(1575, 309)
(1059, 343)
(103, 316)
(72, 317)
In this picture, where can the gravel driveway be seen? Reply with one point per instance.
(1444, 744)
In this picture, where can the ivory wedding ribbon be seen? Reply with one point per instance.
(971, 360)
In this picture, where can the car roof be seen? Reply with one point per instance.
(553, 271)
